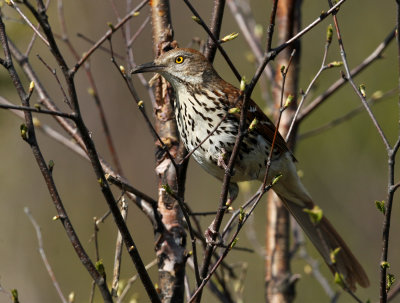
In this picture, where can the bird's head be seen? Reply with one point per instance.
(180, 65)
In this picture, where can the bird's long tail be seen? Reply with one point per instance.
(322, 234)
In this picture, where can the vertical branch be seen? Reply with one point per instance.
(170, 246)
(30, 138)
(384, 264)
(215, 27)
(279, 286)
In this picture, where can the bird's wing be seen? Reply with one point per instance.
(264, 125)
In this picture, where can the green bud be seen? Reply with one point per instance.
(335, 64)
(71, 297)
(333, 254)
(276, 179)
(339, 280)
(196, 19)
(385, 264)
(233, 243)
(24, 131)
(380, 205)
(362, 90)
(100, 268)
(234, 110)
(289, 100)
(315, 213)
(390, 278)
(14, 295)
(167, 189)
(111, 26)
(329, 33)
(377, 95)
(253, 124)
(51, 165)
(243, 84)
(241, 215)
(31, 86)
(229, 37)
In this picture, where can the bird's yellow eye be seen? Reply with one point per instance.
(179, 59)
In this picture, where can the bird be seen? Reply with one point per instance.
(202, 100)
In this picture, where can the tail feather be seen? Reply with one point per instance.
(323, 235)
(326, 239)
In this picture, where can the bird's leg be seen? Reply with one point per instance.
(222, 158)
(210, 233)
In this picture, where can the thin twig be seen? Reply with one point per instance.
(43, 254)
(376, 54)
(351, 114)
(30, 137)
(28, 22)
(107, 35)
(93, 156)
(304, 95)
(215, 28)
(215, 39)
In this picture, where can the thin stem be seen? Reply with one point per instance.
(376, 54)
(93, 156)
(304, 95)
(43, 254)
(47, 175)
(215, 27)
(107, 35)
(215, 39)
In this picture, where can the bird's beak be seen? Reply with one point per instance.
(147, 67)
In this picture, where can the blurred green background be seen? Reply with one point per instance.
(345, 168)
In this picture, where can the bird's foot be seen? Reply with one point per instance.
(212, 236)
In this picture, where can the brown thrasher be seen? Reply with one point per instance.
(202, 100)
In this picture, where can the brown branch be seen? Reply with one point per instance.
(43, 254)
(215, 28)
(41, 17)
(376, 54)
(47, 175)
(170, 249)
(107, 35)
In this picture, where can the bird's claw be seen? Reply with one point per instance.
(212, 236)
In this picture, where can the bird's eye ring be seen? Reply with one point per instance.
(179, 60)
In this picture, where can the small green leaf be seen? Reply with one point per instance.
(24, 131)
(167, 189)
(315, 213)
(234, 110)
(111, 26)
(329, 33)
(362, 90)
(229, 37)
(241, 215)
(100, 268)
(243, 83)
(289, 100)
(390, 280)
(14, 295)
(51, 165)
(233, 243)
(196, 19)
(385, 264)
(253, 124)
(335, 64)
(276, 179)
(333, 254)
(380, 205)
(339, 279)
